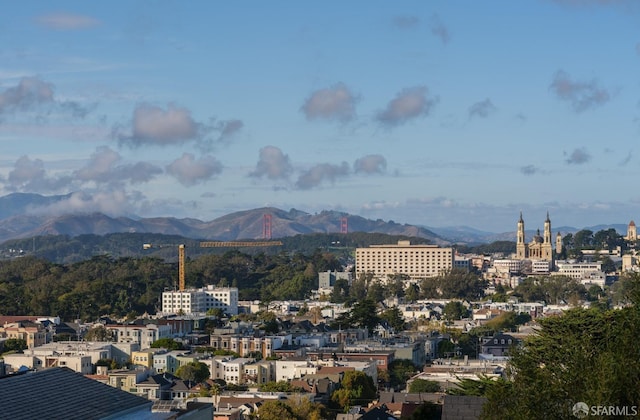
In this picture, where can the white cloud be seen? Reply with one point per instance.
(273, 164)
(408, 104)
(321, 172)
(370, 164)
(189, 171)
(334, 103)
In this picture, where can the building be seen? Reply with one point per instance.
(142, 335)
(585, 272)
(194, 301)
(540, 247)
(415, 261)
(632, 233)
(33, 334)
(60, 393)
(248, 345)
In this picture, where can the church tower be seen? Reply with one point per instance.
(547, 245)
(558, 244)
(521, 246)
(632, 233)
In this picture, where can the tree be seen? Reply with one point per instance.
(399, 371)
(280, 386)
(363, 314)
(356, 388)
(394, 318)
(14, 344)
(454, 310)
(166, 343)
(584, 355)
(276, 410)
(98, 333)
(608, 266)
(340, 291)
(194, 371)
(423, 385)
(412, 293)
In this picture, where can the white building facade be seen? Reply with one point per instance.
(194, 301)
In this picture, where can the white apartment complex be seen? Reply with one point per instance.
(416, 261)
(585, 272)
(201, 300)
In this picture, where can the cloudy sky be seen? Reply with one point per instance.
(436, 113)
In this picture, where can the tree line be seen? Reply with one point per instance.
(125, 286)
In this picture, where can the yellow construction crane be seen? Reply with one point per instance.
(214, 244)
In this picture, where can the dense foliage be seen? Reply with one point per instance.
(585, 355)
(106, 286)
(66, 249)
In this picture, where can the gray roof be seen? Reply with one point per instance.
(60, 393)
(462, 407)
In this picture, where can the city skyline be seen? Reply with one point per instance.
(437, 114)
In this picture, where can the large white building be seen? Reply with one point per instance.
(416, 261)
(192, 301)
(585, 272)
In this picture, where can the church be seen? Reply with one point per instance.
(540, 247)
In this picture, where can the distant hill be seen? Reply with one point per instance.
(470, 236)
(19, 219)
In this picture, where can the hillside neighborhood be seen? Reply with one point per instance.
(426, 321)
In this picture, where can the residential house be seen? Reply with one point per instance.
(498, 345)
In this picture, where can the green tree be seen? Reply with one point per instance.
(399, 371)
(423, 385)
(454, 310)
(583, 355)
(280, 386)
(340, 292)
(412, 293)
(98, 333)
(194, 371)
(356, 388)
(276, 410)
(363, 314)
(394, 317)
(14, 344)
(166, 343)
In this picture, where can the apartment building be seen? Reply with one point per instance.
(415, 261)
(195, 301)
(143, 335)
(246, 345)
(33, 334)
(586, 273)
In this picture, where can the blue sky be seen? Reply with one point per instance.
(436, 113)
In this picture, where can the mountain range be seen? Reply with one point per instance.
(24, 215)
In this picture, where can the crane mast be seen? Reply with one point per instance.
(214, 244)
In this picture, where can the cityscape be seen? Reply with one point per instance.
(400, 329)
(319, 210)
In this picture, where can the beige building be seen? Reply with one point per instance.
(540, 247)
(416, 261)
(33, 334)
(632, 233)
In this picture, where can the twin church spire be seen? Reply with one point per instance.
(540, 247)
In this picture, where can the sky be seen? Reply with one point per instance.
(435, 113)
